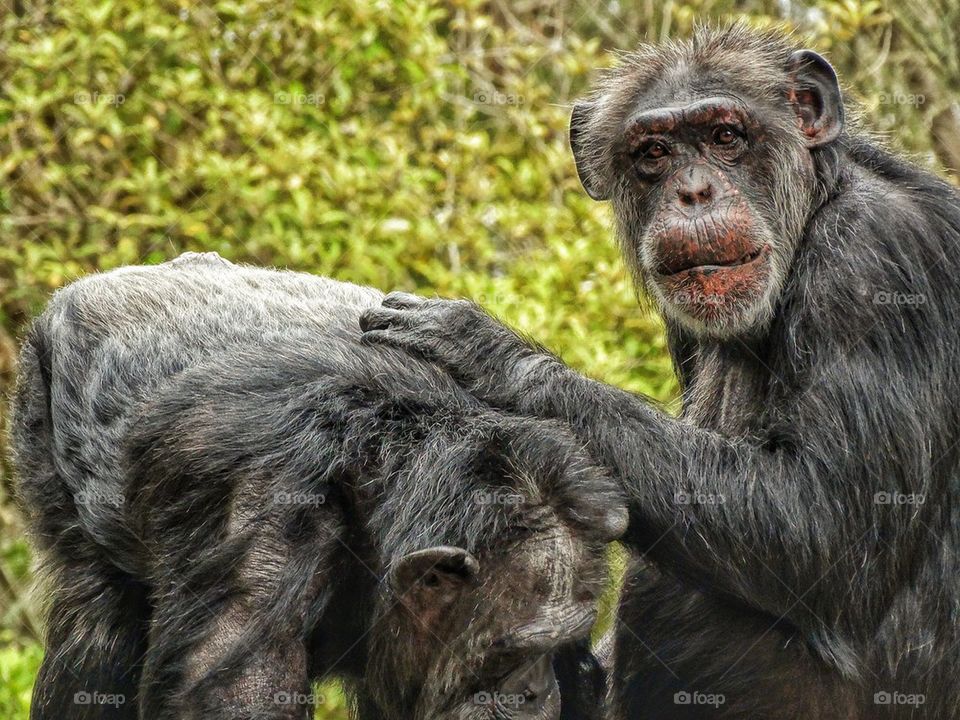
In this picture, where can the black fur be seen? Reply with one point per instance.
(235, 498)
(802, 515)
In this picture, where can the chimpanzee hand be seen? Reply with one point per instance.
(484, 355)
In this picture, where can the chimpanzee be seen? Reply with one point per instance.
(798, 528)
(235, 497)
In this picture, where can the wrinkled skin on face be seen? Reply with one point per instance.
(484, 630)
(707, 252)
(711, 179)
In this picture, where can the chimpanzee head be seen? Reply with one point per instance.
(706, 149)
(497, 566)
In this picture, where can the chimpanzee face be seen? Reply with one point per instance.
(711, 177)
(707, 250)
(485, 629)
(470, 634)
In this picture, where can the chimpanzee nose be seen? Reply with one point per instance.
(694, 187)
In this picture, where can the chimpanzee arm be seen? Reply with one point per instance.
(784, 522)
(228, 640)
(239, 525)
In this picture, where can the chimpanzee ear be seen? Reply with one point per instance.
(815, 95)
(595, 186)
(427, 581)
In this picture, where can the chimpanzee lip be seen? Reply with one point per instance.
(748, 258)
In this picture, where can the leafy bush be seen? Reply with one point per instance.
(345, 139)
(18, 666)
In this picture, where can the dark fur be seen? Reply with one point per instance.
(224, 483)
(788, 589)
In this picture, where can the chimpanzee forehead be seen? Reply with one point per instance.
(691, 84)
(548, 585)
(706, 111)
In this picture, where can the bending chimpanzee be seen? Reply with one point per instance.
(235, 497)
(803, 515)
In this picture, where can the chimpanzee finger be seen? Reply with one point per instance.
(403, 301)
(381, 318)
(377, 337)
(392, 337)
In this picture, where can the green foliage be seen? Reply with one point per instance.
(417, 145)
(335, 138)
(18, 667)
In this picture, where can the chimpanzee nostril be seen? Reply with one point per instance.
(699, 194)
(695, 187)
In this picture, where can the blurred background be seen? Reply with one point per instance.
(418, 145)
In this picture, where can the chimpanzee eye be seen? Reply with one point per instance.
(724, 135)
(653, 150)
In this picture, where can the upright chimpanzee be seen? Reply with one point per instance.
(235, 497)
(802, 515)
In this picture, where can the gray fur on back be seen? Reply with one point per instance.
(108, 342)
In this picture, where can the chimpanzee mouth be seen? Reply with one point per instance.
(693, 264)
